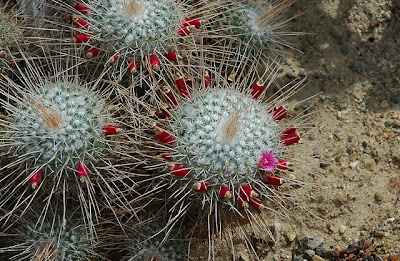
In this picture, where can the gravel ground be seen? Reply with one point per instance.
(351, 58)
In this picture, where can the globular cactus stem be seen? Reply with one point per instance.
(132, 29)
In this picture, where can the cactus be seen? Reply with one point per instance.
(10, 32)
(255, 23)
(57, 130)
(227, 148)
(152, 241)
(56, 238)
(226, 142)
(132, 30)
(9, 28)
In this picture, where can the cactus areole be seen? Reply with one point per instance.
(226, 140)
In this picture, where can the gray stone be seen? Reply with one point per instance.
(324, 164)
(337, 31)
(309, 253)
(317, 242)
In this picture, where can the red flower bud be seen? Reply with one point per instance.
(154, 62)
(132, 66)
(93, 52)
(200, 186)
(179, 171)
(81, 8)
(290, 139)
(35, 178)
(246, 192)
(192, 21)
(282, 165)
(224, 192)
(164, 136)
(279, 113)
(257, 90)
(207, 80)
(184, 30)
(170, 96)
(80, 38)
(79, 22)
(111, 130)
(273, 180)
(82, 171)
(289, 130)
(241, 202)
(182, 86)
(172, 56)
(256, 203)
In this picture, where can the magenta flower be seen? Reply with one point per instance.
(268, 161)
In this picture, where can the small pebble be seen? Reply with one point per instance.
(316, 258)
(394, 98)
(356, 67)
(360, 183)
(354, 164)
(369, 164)
(342, 229)
(339, 115)
(364, 144)
(317, 242)
(373, 23)
(324, 164)
(317, 154)
(320, 251)
(337, 31)
(345, 49)
(309, 253)
(378, 196)
(340, 199)
(385, 105)
(331, 227)
(301, 74)
(291, 235)
(388, 123)
(290, 74)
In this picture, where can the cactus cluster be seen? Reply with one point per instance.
(199, 138)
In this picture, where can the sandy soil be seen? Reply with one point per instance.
(351, 58)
